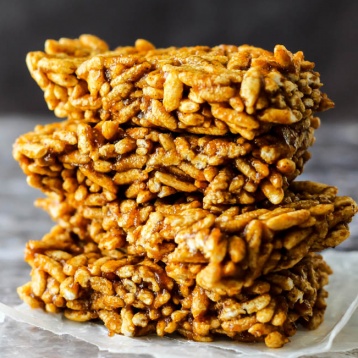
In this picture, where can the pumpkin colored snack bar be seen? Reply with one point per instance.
(145, 163)
(232, 247)
(212, 91)
(135, 296)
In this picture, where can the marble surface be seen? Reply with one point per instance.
(334, 161)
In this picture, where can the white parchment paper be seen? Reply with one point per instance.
(342, 302)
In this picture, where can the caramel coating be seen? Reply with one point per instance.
(232, 247)
(135, 296)
(144, 163)
(212, 91)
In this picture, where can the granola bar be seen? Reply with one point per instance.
(143, 163)
(232, 247)
(135, 296)
(213, 91)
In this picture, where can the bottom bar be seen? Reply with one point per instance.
(135, 296)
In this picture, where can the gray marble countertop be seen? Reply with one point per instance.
(334, 161)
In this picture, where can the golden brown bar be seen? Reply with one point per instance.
(143, 163)
(231, 248)
(135, 296)
(213, 91)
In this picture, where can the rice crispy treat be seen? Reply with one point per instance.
(223, 251)
(144, 163)
(134, 296)
(212, 91)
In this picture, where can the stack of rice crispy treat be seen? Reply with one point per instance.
(171, 180)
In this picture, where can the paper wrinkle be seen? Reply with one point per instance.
(342, 302)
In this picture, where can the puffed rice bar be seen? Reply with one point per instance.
(135, 296)
(143, 163)
(213, 91)
(232, 247)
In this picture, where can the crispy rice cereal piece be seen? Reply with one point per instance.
(143, 163)
(135, 296)
(213, 91)
(232, 248)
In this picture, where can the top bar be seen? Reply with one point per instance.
(212, 91)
